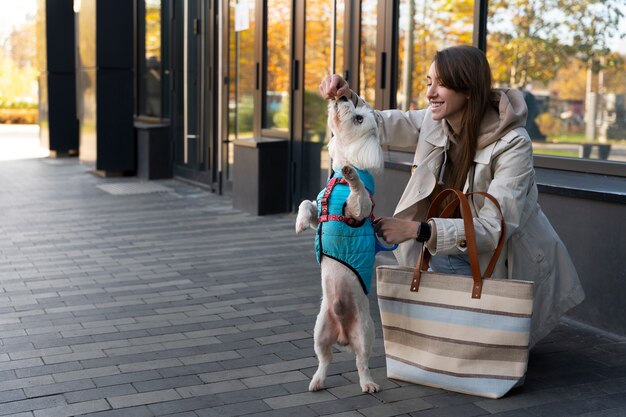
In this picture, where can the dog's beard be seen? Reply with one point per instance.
(364, 153)
(353, 143)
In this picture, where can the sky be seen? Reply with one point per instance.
(13, 13)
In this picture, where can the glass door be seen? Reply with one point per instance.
(187, 87)
(323, 33)
(242, 79)
(318, 52)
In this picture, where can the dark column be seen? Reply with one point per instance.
(57, 81)
(105, 86)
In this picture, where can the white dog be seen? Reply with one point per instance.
(344, 208)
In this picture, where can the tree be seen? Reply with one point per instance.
(18, 75)
(524, 43)
(22, 44)
(426, 27)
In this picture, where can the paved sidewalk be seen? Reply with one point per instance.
(20, 142)
(130, 299)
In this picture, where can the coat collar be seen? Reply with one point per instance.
(436, 133)
(433, 131)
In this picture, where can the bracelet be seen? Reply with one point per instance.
(423, 233)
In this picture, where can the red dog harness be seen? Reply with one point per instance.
(325, 217)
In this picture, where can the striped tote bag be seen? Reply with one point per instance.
(467, 334)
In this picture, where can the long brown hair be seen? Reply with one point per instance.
(465, 69)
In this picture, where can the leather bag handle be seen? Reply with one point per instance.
(470, 237)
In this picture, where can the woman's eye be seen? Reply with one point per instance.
(358, 119)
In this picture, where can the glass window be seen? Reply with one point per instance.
(367, 51)
(150, 103)
(568, 58)
(241, 75)
(424, 27)
(276, 96)
(340, 10)
(317, 65)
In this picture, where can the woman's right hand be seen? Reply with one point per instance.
(333, 87)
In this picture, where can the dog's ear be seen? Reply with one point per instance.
(331, 148)
(331, 119)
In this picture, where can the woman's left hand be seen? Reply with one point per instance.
(394, 230)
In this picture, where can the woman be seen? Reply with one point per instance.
(472, 138)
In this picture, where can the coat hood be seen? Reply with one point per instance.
(508, 111)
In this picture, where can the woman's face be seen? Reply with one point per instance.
(444, 102)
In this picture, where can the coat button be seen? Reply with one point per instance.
(463, 243)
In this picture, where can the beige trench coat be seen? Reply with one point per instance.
(504, 169)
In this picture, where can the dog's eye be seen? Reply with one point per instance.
(358, 119)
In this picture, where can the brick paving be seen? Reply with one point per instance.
(167, 302)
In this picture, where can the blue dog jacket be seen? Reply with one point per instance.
(334, 229)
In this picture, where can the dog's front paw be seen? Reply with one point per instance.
(349, 173)
(306, 216)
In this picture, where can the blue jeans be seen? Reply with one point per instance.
(450, 264)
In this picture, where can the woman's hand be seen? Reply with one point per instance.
(394, 230)
(334, 87)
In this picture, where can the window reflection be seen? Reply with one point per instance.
(425, 27)
(317, 51)
(152, 68)
(340, 10)
(276, 96)
(241, 76)
(570, 65)
(367, 51)
(242, 70)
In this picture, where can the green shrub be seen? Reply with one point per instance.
(19, 115)
(549, 125)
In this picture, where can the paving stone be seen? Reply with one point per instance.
(235, 409)
(212, 388)
(47, 369)
(294, 400)
(143, 398)
(347, 404)
(164, 383)
(396, 408)
(74, 409)
(33, 404)
(85, 373)
(185, 405)
(465, 410)
(140, 411)
(275, 379)
(58, 388)
(242, 373)
(26, 382)
(197, 368)
(12, 395)
(99, 393)
(301, 411)
(252, 394)
(127, 377)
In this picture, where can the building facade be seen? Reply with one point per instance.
(225, 94)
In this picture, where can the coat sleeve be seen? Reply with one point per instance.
(511, 183)
(396, 127)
